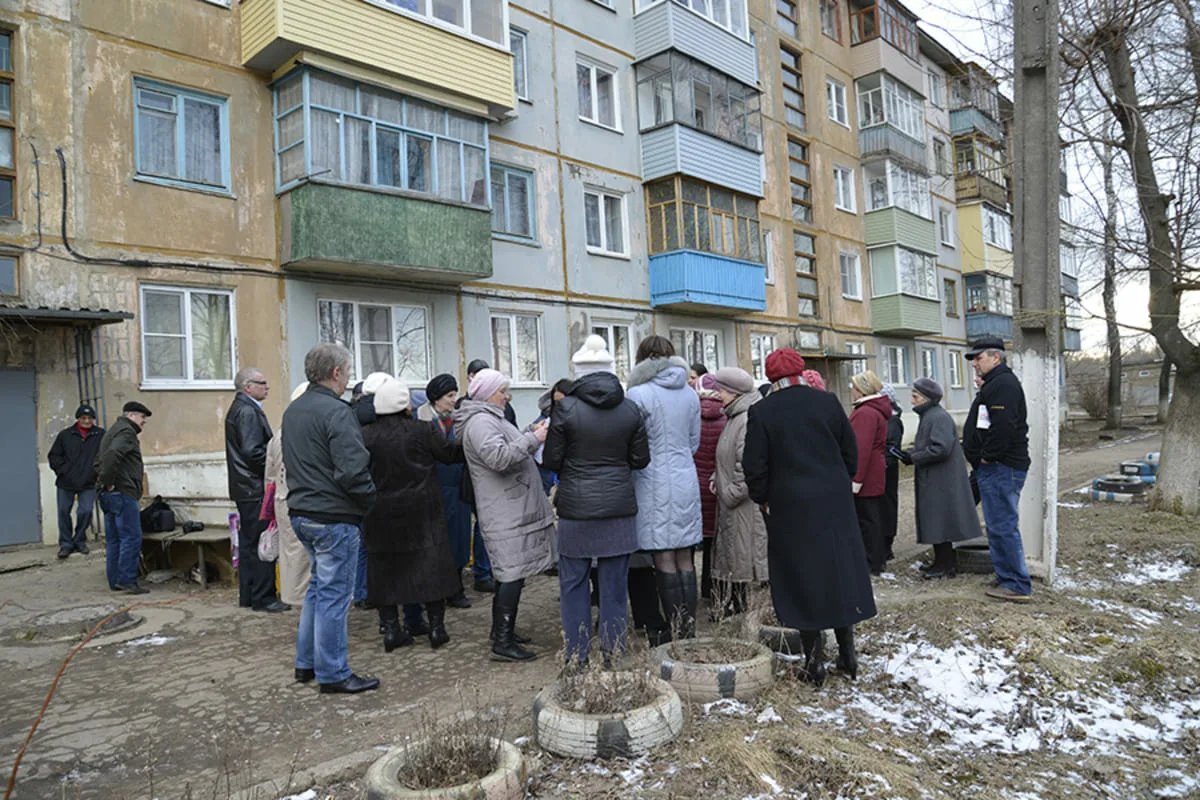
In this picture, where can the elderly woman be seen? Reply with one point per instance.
(799, 460)
(891, 475)
(408, 553)
(945, 506)
(741, 546)
(294, 569)
(669, 521)
(712, 422)
(870, 422)
(514, 515)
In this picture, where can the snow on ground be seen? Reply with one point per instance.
(1143, 572)
(1140, 616)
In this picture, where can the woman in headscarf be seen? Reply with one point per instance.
(891, 475)
(799, 460)
(294, 569)
(740, 551)
(870, 420)
(514, 515)
(712, 422)
(813, 378)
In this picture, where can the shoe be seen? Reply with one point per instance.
(273, 607)
(505, 646)
(847, 660)
(437, 625)
(486, 586)
(459, 600)
(933, 573)
(131, 588)
(814, 657)
(304, 674)
(1000, 593)
(925, 567)
(82, 549)
(420, 629)
(395, 636)
(994, 582)
(63, 554)
(352, 685)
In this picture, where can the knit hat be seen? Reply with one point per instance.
(300, 389)
(486, 383)
(889, 392)
(85, 410)
(783, 363)
(593, 357)
(733, 379)
(813, 379)
(373, 381)
(928, 387)
(867, 383)
(440, 386)
(391, 397)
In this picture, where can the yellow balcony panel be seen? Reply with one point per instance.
(375, 36)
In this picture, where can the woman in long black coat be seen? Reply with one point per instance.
(799, 458)
(408, 552)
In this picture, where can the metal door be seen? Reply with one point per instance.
(20, 511)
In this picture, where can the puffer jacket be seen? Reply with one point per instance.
(870, 422)
(596, 440)
(247, 433)
(712, 422)
(73, 458)
(740, 551)
(119, 460)
(668, 494)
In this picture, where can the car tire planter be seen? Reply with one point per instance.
(703, 682)
(1119, 484)
(620, 735)
(785, 641)
(506, 782)
(974, 559)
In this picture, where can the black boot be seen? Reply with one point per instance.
(847, 660)
(944, 562)
(814, 657)
(437, 624)
(394, 634)
(670, 595)
(688, 588)
(505, 646)
(518, 638)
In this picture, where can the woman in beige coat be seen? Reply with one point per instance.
(740, 548)
(294, 569)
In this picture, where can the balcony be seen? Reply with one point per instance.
(679, 149)
(983, 323)
(476, 74)
(886, 140)
(905, 315)
(688, 280)
(971, 119)
(672, 26)
(1072, 341)
(1070, 285)
(894, 225)
(346, 230)
(976, 186)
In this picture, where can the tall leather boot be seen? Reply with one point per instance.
(437, 624)
(394, 634)
(847, 660)
(814, 657)
(518, 638)
(670, 595)
(505, 646)
(688, 588)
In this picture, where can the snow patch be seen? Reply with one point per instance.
(307, 794)
(728, 706)
(768, 715)
(1142, 573)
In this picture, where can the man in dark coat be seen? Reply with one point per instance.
(73, 459)
(119, 481)
(247, 434)
(799, 458)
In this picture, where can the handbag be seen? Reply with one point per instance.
(267, 512)
(268, 543)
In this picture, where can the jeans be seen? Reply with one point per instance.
(576, 604)
(256, 579)
(1000, 494)
(122, 538)
(360, 574)
(71, 539)
(321, 639)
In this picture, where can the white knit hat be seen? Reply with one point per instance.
(300, 389)
(373, 381)
(593, 357)
(391, 397)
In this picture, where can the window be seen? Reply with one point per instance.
(856, 365)
(482, 18)
(793, 89)
(800, 181)
(946, 226)
(884, 100)
(831, 21)
(187, 337)
(997, 228)
(805, 249)
(620, 344)
(383, 338)
(604, 217)
(806, 286)
(605, 3)
(1067, 263)
(929, 363)
(941, 157)
(761, 346)
(697, 346)
(512, 202)
(8, 274)
(894, 363)
(977, 156)
(843, 189)
(918, 273)
(181, 136)
(851, 269)
(675, 88)
(785, 17)
(990, 294)
(954, 361)
(835, 102)
(950, 296)
(937, 89)
(881, 18)
(517, 42)
(889, 184)
(597, 94)
(8, 132)
(334, 129)
(517, 347)
(687, 214)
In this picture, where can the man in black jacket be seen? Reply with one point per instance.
(119, 480)
(73, 459)
(247, 433)
(996, 443)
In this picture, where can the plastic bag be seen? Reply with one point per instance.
(268, 543)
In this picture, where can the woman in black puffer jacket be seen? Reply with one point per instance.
(596, 440)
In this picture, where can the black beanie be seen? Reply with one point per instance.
(440, 386)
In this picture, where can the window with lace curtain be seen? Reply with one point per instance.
(187, 337)
(181, 136)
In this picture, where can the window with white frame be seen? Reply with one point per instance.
(698, 346)
(894, 365)
(843, 189)
(1067, 263)
(512, 202)
(383, 338)
(597, 86)
(997, 228)
(604, 219)
(620, 344)
(187, 337)
(761, 346)
(946, 226)
(856, 365)
(517, 347)
(851, 269)
(890, 184)
(884, 100)
(835, 102)
(954, 361)
(181, 136)
(929, 363)
(769, 256)
(950, 296)
(941, 157)
(918, 273)
(482, 18)
(518, 41)
(937, 89)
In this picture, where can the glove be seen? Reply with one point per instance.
(901, 455)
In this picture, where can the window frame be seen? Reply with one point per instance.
(954, 365)
(856, 365)
(758, 368)
(9, 77)
(180, 94)
(603, 249)
(805, 165)
(929, 359)
(791, 79)
(15, 258)
(358, 373)
(464, 30)
(844, 189)
(950, 296)
(832, 90)
(606, 328)
(787, 21)
(520, 68)
(188, 382)
(844, 257)
(834, 7)
(687, 354)
(893, 376)
(529, 176)
(596, 67)
(511, 315)
(997, 222)
(937, 88)
(946, 231)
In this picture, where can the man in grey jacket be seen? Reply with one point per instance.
(329, 492)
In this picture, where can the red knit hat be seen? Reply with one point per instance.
(783, 363)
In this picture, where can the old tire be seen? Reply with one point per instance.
(785, 641)
(623, 735)
(699, 682)
(973, 558)
(506, 782)
(1120, 484)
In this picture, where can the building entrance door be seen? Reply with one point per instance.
(20, 510)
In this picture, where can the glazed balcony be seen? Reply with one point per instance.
(669, 25)
(689, 280)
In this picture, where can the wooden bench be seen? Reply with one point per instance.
(198, 538)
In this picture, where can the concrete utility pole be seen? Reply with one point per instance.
(1038, 320)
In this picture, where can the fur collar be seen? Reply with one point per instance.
(647, 370)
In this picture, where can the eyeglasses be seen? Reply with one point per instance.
(260, 383)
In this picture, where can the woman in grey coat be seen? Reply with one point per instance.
(945, 507)
(513, 512)
(669, 521)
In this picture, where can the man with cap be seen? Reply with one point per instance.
(119, 480)
(73, 459)
(996, 443)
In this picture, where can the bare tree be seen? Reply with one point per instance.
(1112, 417)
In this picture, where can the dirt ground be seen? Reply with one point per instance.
(1093, 690)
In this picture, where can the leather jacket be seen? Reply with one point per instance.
(247, 434)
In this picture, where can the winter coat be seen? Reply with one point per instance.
(870, 422)
(513, 512)
(740, 550)
(799, 458)
(119, 459)
(294, 568)
(408, 550)
(996, 429)
(246, 435)
(668, 494)
(945, 505)
(595, 442)
(328, 466)
(73, 458)
(712, 422)
(895, 435)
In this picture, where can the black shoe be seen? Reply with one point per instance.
(274, 607)
(486, 586)
(395, 636)
(131, 588)
(304, 674)
(847, 660)
(459, 600)
(82, 549)
(420, 629)
(63, 554)
(933, 573)
(352, 685)
(925, 567)
(814, 657)
(505, 646)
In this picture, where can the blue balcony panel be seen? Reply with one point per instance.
(966, 120)
(987, 324)
(678, 149)
(688, 280)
